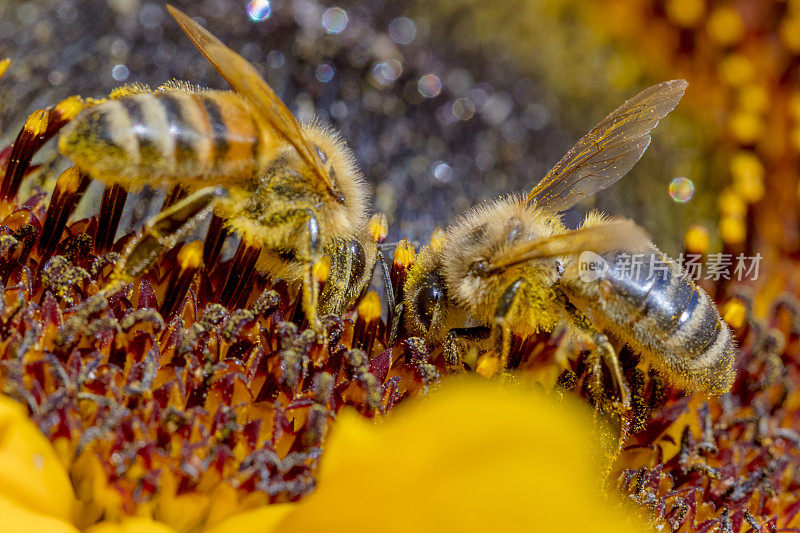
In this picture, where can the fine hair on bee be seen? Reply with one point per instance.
(293, 192)
(511, 267)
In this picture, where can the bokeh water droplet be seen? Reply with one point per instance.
(402, 30)
(334, 20)
(442, 172)
(463, 109)
(275, 59)
(681, 190)
(120, 72)
(386, 72)
(325, 72)
(429, 85)
(259, 10)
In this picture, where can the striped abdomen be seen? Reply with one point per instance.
(167, 136)
(663, 315)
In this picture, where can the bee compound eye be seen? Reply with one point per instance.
(428, 298)
(359, 258)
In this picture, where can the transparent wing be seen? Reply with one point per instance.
(246, 81)
(609, 150)
(600, 239)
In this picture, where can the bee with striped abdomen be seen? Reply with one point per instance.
(293, 191)
(510, 266)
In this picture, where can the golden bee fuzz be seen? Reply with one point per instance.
(293, 192)
(510, 267)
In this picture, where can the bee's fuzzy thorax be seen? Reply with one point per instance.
(483, 233)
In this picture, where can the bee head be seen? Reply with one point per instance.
(475, 244)
(344, 208)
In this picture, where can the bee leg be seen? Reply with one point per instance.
(609, 356)
(396, 323)
(391, 303)
(312, 254)
(454, 344)
(604, 348)
(594, 386)
(502, 329)
(310, 297)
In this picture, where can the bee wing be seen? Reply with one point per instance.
(609, 150)
(599, 238)
(246, 81)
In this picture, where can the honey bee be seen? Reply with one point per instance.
(292, 190)
(510, 266)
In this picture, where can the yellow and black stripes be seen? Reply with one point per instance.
(190, 151)
(665, 316)
(167, 135)
(148, 124)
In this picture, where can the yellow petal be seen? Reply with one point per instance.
(98, 499)
(256, 521)
(184, 512)
(30, 473)
(14, 517)
(131, 525)
(473, 458)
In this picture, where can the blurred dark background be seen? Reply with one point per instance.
(438, 121)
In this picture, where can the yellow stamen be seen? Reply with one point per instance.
(686, 13)
(322, 268)
(378, 227)
(696, 239)
(736, 69)
(191, 255)
(754, 98)
(750, 190)
(746, 127)
(404, 254)
(4, 64)
(734, 313)
(69, 180)
(732, 230)
(746, 165)
(37, 122)
(68, 108)
(730, 203)
(369, 308)
(790, 33)
(725, 25)
(748, 175)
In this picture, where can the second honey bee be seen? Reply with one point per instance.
(293, 191)
(510, 266)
